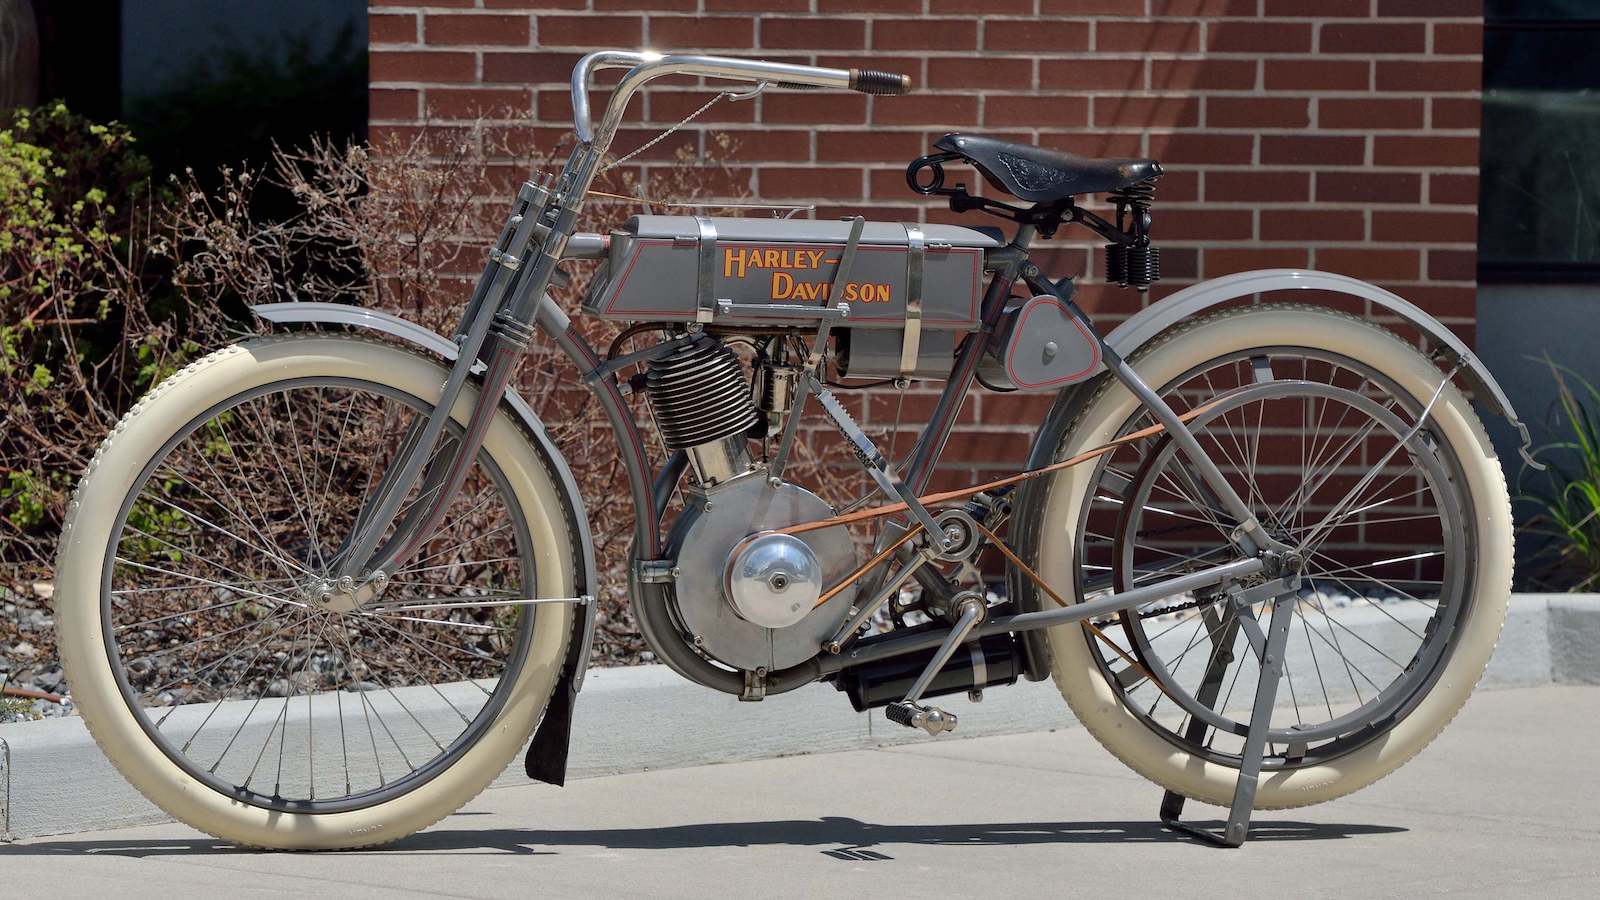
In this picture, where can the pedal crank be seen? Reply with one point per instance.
(972, 610)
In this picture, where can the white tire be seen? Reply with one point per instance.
(81, 627)
(1075, 665)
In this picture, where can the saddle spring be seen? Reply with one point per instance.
(1135, 264)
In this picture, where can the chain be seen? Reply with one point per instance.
(1196, 603)
(668, 133)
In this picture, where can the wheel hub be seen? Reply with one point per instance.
(343, 594)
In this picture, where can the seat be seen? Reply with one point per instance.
(1044, 176)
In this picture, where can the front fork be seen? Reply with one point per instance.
(494, 332)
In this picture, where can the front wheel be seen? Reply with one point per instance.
(1406, 535)
(196, 628)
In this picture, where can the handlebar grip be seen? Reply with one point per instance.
(871, 81)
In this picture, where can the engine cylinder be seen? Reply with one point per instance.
(703, 406)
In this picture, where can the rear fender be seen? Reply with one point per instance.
(1148, 324)
(1145, 325)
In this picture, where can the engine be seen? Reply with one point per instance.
(703, 407)
(745, 596)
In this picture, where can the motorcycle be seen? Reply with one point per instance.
(318, 588)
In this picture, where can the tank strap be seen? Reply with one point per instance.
(705, 285)
(911, 343)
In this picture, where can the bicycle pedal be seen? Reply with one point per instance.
(931, 719)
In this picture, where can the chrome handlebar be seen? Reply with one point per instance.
(548, 212)
(647, 66)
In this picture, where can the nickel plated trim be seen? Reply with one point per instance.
(646, 66)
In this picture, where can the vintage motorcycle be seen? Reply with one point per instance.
(317, 589)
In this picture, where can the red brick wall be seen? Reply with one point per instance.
(1336, 134)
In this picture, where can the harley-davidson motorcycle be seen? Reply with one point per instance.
(318, 588)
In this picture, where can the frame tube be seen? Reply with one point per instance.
(870, 650)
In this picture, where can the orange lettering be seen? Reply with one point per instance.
(731, 259)
(782, 285)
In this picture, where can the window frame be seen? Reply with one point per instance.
(1532, 271)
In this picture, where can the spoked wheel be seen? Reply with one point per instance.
(207, 641)
(1404, 531)
(1372, 620)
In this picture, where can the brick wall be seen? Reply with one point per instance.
(1336, 134)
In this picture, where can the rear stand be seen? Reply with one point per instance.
(1237, 828)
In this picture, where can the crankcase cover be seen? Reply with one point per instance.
(746, 598)
(774, 579)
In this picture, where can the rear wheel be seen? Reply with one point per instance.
(204, 647)
(1406, 534)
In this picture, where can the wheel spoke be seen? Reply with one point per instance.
(1303, 445)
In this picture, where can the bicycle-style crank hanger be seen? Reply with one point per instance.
(971, 610)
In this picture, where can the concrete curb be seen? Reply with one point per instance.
(1574, 638)
(5, 791)
(646, 717)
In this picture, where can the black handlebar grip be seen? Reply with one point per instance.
(870, 81)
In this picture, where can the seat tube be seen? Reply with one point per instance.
(930, 444)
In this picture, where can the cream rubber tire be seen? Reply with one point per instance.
(1074, 664)
(80, 566)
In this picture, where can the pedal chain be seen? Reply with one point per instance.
(1196, 603)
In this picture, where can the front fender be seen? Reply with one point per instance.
(442, 347)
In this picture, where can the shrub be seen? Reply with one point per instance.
(120, 294)
(83, 307)
(1568, 504)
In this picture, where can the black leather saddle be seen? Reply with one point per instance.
(1043, 176)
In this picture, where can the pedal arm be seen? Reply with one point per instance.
(909, 712)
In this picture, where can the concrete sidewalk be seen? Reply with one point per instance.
(1504, 804)
(1547, 638)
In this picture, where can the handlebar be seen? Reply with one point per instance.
(872, 81)
(647, 66)
(541, 229)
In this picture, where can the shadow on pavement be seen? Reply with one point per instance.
(836, 834)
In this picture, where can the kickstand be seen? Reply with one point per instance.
(1237, 828)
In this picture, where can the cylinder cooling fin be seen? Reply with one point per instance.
(700, 394)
